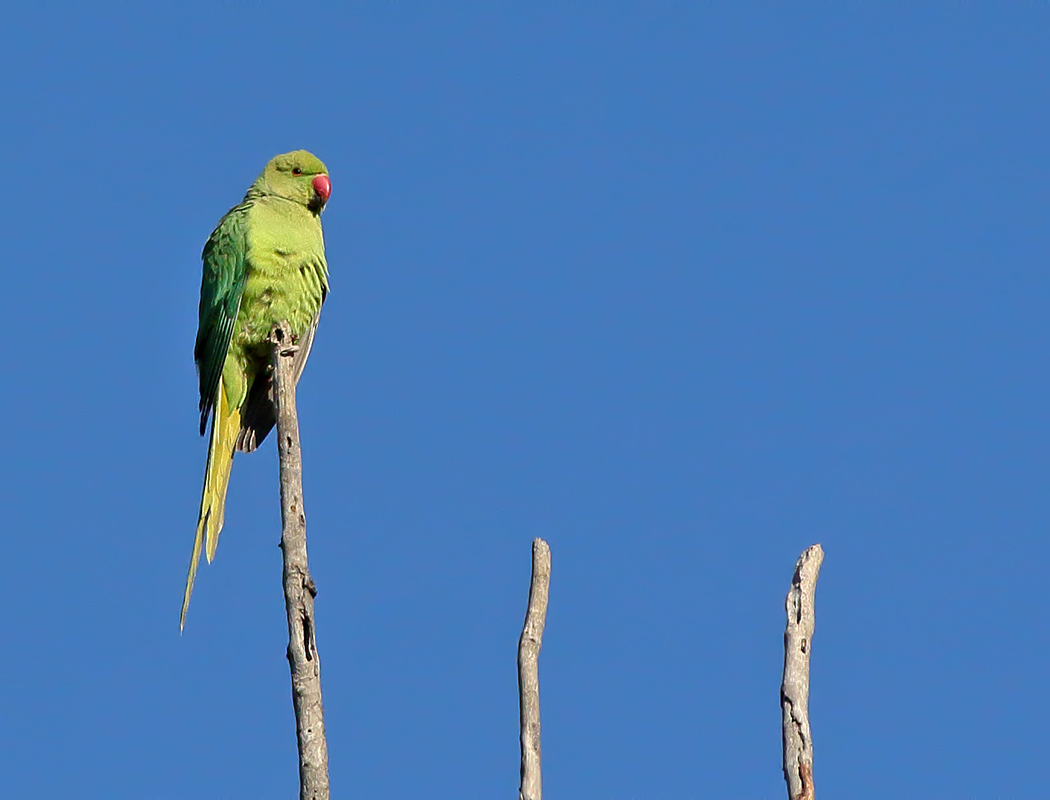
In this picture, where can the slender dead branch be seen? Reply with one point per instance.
(529, 644)
(299, 589)
(794, 691)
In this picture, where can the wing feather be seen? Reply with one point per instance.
(222, 286)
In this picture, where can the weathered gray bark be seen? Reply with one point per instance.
(794, 691)
(529, 644)
(299, 589)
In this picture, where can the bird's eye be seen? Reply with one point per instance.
(297, 171)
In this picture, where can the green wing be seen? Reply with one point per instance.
(222, 284)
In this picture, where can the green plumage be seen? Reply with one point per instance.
(263, 264)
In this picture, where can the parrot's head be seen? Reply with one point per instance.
(298, 176)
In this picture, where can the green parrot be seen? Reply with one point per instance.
(264, 263)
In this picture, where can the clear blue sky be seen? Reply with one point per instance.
(682, 288)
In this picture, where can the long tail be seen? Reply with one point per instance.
(225, 425)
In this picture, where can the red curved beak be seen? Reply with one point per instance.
(323, 187)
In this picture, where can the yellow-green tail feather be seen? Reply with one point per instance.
(225, 425)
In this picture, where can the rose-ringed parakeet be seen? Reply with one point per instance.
(264, 263)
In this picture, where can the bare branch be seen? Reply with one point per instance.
(299, 589)
(794, 691)
(529, 672)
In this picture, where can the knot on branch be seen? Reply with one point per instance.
(282, 340)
